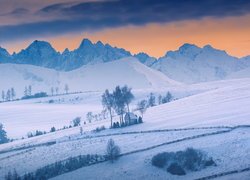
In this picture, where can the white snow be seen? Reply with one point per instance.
(217, 103)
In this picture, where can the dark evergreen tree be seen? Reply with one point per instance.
(151, 100)
(3, 135)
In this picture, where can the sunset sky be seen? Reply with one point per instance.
(151, 26)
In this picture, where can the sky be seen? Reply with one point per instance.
(151, 26)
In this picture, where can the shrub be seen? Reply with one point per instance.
(176, 169)
(76, 121)
(53, 129)
(113, 151)
(140, 120)
(190, 160)
(159, 160)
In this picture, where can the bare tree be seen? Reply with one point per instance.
(151, 100)
(3, 95)
(89, 116)
(52, 91)
(119, 103)
(13, 93)
(127, 96)
(26, 91)
(30, 90)
(108, 104)
(66, 88)
(57, 90)
(113, 151)
(142, 106)
(8, 95)
(81, 130)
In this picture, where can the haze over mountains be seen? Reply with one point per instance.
(188, 64)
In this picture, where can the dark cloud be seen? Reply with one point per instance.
(16, 12)
(105, 14)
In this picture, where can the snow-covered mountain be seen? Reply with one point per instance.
(145, 59)
(4, 55)
(127, 71)
(188, 64)
(192, 64)
(41, 53)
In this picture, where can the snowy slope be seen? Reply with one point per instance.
(127, 71)
(225, 103)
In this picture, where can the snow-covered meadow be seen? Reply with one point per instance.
(216, 105)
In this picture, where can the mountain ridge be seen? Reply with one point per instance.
(188, 64)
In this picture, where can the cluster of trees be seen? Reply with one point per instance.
(57, 168)
(52, 170)
(27, 91)
(90, 116)
(180, 162)
(10, 95)
(118, 101)
(36, 133)
(36, 95)
(165, 99)
(76, 122)
(3, 135)
(151, 101)
(54, 91)
(161, 99)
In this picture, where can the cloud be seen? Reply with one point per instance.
(66, 17)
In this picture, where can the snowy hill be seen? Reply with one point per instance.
(225, 103)
(192, 64)
(127, 71)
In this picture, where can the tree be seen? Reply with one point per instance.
(3, 95)
(167, 98)
(53, 129)
(3, 135)
(30, 90)
(142, 106)
(119, 103)
(159, 99)
(127, 96)
(113, 151)
(89, 116)
(26, 91)
(66, 88)
(8, 95)
(76, 121)
(151, 100)
(13, 93)
(52, 91)
(108, 103)
(57, 90)
(81, 130)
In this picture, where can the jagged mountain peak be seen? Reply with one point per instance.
(4, 52)
(85, 43)
(145, 58)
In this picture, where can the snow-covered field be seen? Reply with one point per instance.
(212, 104)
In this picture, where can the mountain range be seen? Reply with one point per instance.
(188, 64)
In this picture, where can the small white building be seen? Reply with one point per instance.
(130, 118)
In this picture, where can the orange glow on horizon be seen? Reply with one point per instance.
(230, 34)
